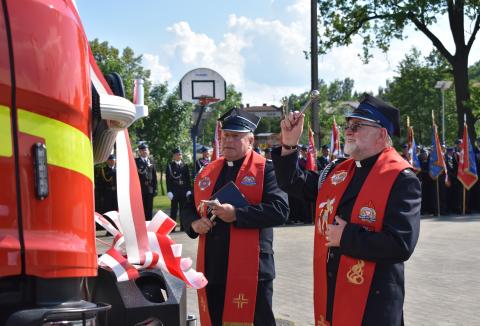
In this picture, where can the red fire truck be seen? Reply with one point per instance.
(54, 125)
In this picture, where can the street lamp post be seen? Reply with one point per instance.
(443, 85)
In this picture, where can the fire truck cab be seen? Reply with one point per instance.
(55, 123)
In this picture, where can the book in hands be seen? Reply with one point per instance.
(228, 194)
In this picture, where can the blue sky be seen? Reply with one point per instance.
(257, 45)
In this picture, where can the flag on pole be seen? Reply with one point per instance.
(334, 141)
(311, 153)
(415, 160)
(436, 162)
(467, 169)
(412, 150)
(217, 142)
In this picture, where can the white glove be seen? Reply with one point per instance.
(188, 193)
(170, 195)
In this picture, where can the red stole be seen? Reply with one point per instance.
(354, 276)
(244, 250)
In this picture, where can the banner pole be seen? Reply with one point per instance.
(464, 200)
(438, 199)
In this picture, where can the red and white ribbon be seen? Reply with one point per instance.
(165, 254)
(136, 244)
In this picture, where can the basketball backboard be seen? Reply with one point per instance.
(202, 83)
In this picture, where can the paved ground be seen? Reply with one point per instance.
(442, 277)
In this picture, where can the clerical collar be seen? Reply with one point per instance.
(367, 162)
(235, 163)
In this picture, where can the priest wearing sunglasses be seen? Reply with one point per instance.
(367, 217)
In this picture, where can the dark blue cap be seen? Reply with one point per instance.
(177, 150)
(111, 157)
(375, 110)
(239, 120)
(203, 149)
(268, 150)
(143, 146)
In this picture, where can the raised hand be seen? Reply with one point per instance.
(292, 128)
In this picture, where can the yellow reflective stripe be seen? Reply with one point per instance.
(5, 132)
(67, 146)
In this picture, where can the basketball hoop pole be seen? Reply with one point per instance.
(195, 131)
(203, 102)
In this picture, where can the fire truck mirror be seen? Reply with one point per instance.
(116, 84)
(40, 170)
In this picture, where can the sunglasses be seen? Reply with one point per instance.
(355, 126)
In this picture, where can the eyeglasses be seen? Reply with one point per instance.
(355, 126)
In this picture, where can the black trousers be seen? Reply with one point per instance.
(263, 307)
(147, 200)
(176, 204)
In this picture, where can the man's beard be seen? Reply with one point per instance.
(349, 148)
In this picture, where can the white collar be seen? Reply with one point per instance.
(230, 163)
(358, 164)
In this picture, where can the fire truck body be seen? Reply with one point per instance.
(46, 99)
(53, 107)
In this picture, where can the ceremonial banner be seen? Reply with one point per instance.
(217, 148)
(334, 141)
(311, 153)
(467, 169)
(436, 162)
(412, 150)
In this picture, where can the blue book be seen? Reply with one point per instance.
(230, 194)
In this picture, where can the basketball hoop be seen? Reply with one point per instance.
(205, 101)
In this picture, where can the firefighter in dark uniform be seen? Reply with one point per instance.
(202, 161)
(367, 219)
(106, 186)
(428, 185)
(323, 160)
(148, 179)
(405, 154)
(232, 241)
(451, 163)
(178, 183)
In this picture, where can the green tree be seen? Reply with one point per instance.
(166, 127)
(379, 22)
(412, 92)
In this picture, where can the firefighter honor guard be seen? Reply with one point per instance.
(204, 160)
(148, 179)
(178, 183)
(106, 187)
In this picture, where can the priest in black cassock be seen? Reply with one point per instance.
(235, 245)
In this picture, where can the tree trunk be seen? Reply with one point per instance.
(161, 183)
(462, 94)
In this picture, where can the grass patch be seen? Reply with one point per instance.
(161, 202)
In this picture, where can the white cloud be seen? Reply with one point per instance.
(159, 73)
(264, 58)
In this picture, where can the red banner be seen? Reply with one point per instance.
(334, 141)
(467, 170)
(311, 153)
(217, 146)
